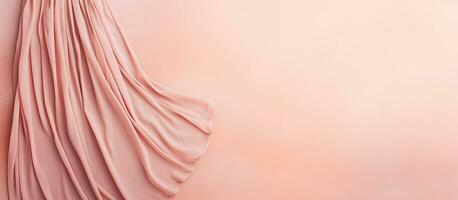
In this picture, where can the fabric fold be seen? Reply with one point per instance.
(88, 122)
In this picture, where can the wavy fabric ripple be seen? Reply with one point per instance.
(88, 123)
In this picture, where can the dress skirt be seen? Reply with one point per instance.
(88, 123)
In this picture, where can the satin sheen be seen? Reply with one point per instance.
(88, 123)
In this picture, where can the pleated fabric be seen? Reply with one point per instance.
(88, 123)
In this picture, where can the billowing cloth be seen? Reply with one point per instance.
(88, 123)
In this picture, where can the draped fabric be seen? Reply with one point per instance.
(88, 123)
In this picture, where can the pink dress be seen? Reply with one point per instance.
(88, 123)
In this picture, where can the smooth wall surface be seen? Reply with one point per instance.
(315, 99)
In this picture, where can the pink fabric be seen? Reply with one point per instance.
(88, 123)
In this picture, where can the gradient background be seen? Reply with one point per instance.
(315, 99)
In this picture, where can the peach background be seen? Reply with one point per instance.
(315, 99)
